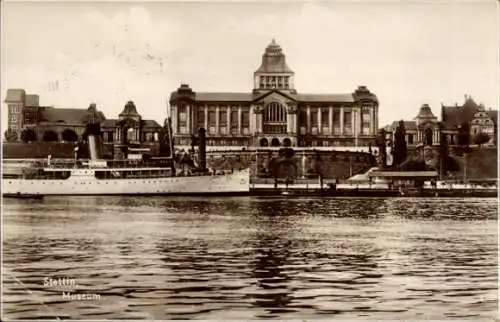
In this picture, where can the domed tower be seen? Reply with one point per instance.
(425, 115)
(274, 73)
(130, 112)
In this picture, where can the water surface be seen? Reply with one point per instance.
(251, 258)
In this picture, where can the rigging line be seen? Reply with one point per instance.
(42, 303)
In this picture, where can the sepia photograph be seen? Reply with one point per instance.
(249, 160)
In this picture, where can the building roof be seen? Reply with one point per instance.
(363, 93)
(454, 116)
(69, 115)
(151, 124)
(273, 60)
(409, 125)
(109, 123)
(425, 112)
(129, 110)
(493, 115)
(249, 97)
(32, 100)
(145, 123)
(223, 97)
(15, 95)
(344, 98)
(63, 115)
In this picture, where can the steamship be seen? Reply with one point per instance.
(130, 176)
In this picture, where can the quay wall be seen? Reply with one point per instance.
(474, 163)
(263, 163)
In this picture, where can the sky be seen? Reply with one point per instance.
(406, 52)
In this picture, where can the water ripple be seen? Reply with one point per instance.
(250, 258)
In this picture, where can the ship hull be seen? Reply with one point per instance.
(236, 183)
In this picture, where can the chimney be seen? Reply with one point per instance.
(95, 141)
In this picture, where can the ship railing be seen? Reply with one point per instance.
(58, 164)
(86, 164)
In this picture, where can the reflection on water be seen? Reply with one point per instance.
(248, 258)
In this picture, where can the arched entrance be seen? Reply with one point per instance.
(287, 142)
(264, 142)
(129, 130)
(275, 142)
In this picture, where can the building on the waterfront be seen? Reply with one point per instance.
(476, 116)
(25, 112)
(424, 129)
(275, 113)
(130, 128)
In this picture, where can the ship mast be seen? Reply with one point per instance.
(168, 124)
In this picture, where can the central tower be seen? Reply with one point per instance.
(273, 73)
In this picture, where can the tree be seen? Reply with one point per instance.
(10, 135)
(69, 135)
(400, 149)
(28, 135)
(443, 150)
(495, 134)
(382, 151)
(481, 138)
(464, 134)
(50, 136)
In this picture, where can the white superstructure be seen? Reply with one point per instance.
(123, 181)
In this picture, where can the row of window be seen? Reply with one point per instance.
(336, 130)
(218, 142)
(273, 112)
(274, 82)
(223, 119)
(131, 136)
(326, 143)
(325, 117)
(15, 109)
(212, 130)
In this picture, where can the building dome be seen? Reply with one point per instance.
(273, 49)
(92, 107)
(425, 112)
(273, 60)
(129, 111)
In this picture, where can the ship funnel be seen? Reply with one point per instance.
(202, 149)
(95, 142)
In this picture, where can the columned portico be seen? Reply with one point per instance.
(319, 121)
(206, 117)
(330, 119)
(308, 119)
(188, 118)
(228, 120)
(217, 116)
(239, 120)
(342, 120)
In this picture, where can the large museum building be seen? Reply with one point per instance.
(275, 114)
